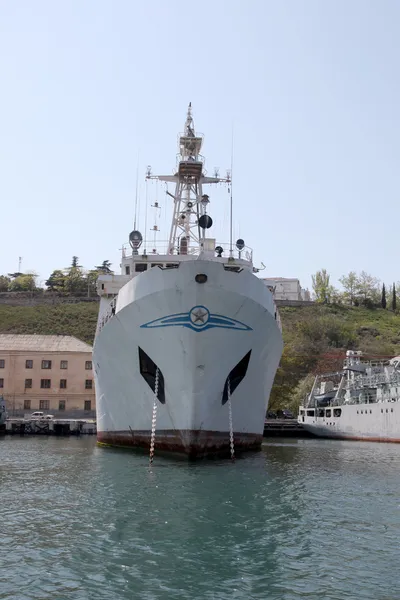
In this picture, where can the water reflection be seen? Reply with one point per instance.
(302, 518)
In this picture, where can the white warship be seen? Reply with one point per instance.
(361, 402)
(188, 338)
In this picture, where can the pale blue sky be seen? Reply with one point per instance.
(312, 88)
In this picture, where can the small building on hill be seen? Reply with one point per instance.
(285, 288)
(50, 373)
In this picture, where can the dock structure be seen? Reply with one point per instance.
(50, 427)
(285, 428)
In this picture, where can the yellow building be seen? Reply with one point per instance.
(46, 372)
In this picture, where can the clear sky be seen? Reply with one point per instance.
(311, 86)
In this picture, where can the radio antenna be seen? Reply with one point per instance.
(136, 194)
(231, 204)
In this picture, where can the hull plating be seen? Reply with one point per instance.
(376, 422)
(196, 334)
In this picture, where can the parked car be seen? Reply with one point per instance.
(40, 415)
(271, 415)
(285, 414)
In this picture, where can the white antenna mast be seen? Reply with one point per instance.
(136, 194)
(231, 206)
(157, 209)
(190, 220)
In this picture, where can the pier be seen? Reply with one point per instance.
(285, 428)
(50, 426)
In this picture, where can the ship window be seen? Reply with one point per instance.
(310, 413)
(148, 370)
(337, 412)
(127, 270)
(140, 267)
(328, 412)
(370, 412)
(381, 410)
(391, 410)
(321, 412)
(171, 265)
(235, 376)
(302, 412)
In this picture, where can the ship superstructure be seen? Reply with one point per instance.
(360, 402)
(188, 338)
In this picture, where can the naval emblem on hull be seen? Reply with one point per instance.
(199, 318)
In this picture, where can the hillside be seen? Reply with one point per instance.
(316, 337)
(64, 319)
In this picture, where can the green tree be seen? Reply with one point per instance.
(56, 281)
(321, 286)
(105, 267)
(394, 298)
(350, 285)
(75, 281)
(368, 288)
(91, 280)
(24, 283)
(4, 283)
(74, 263)
(383, 299)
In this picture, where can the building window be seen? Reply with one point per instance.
(45, 384)
(29, 364)
(64, 364)
(27, 405)
(88, 365)
(1, 383)
(2, 363)
(63, 384)
(46, 364)
(61, 405)
(44, 404)
(28, 384)
(88, 405)
(88, 384)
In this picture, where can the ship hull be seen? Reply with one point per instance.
(374, 422)
(197, 335)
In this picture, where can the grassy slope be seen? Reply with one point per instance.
(316, 337)
(63, 319)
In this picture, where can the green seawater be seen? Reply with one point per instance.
(302, 519)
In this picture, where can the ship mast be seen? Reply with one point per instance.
(190, 219)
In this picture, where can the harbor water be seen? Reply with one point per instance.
(302, 519)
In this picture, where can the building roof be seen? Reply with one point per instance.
(280, 278)
(42, 343)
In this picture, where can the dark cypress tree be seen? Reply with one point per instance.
(394, 299)
(383, 301)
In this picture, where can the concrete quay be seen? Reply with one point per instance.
(285, 428)
(15, 426)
